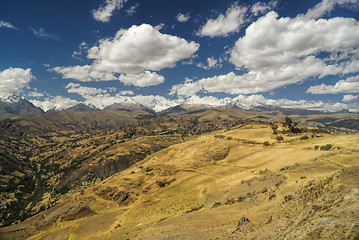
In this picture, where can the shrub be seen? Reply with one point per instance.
(305, 137)
(326, 147)
(266, 143)
(279, 138)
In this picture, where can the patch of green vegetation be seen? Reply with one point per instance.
(326, 147)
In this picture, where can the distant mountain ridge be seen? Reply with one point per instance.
(129, 105)
(83, 107)
(13, 107)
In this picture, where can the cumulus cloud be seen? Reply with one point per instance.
(56, 103)
(105, 11)
(6, 25)
(349, 98)
(231, 22)
(273, 41)
(326, 6)
(142, 79)
(349, 85)
(188, 88)
(182, 17)
(13, 80)
(141, 48)
(84, 73)
(131, 56)
(276, 52)
(41, 33)
(84, 91)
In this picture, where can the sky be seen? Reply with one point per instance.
(160, 53)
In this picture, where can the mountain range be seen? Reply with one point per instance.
(13, 107)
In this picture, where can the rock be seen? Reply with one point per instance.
(243, 221)
(354, 191)
(145, 169)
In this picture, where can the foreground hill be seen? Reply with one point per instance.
(238, 182)
(47, 156)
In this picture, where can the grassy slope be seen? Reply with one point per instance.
(199, 189)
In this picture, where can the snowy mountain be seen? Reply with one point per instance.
(13, 107)
(129, 105)
(83, 107)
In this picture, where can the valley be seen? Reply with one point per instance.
(216, 174)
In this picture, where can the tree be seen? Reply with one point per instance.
(292, 126)
(274, 127)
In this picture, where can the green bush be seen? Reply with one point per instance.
(326, 147)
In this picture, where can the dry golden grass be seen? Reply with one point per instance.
(199, 189)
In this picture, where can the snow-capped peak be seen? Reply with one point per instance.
(11, 98)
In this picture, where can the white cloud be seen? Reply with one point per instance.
(142, 79)
(126, 92)
(105, 12)
(207, 100)
(276, 52)
(182, 17)
(79, 54)
(132, 10)
(349, 85)
(326, 6)
(132, 54)
(84, 73)
(35, 94)
(188, 88)
(273, 41)
(141, 48)
(6, 25)
(211, 63)
(261, 8)
(13, 80)
(224, 24)
(349, 98)
(253, 82)
(41, 33)
(84, 91)
(56, 103)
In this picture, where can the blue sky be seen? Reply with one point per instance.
(302, 54)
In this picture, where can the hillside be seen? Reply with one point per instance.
(47, 156)
(231, 182)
